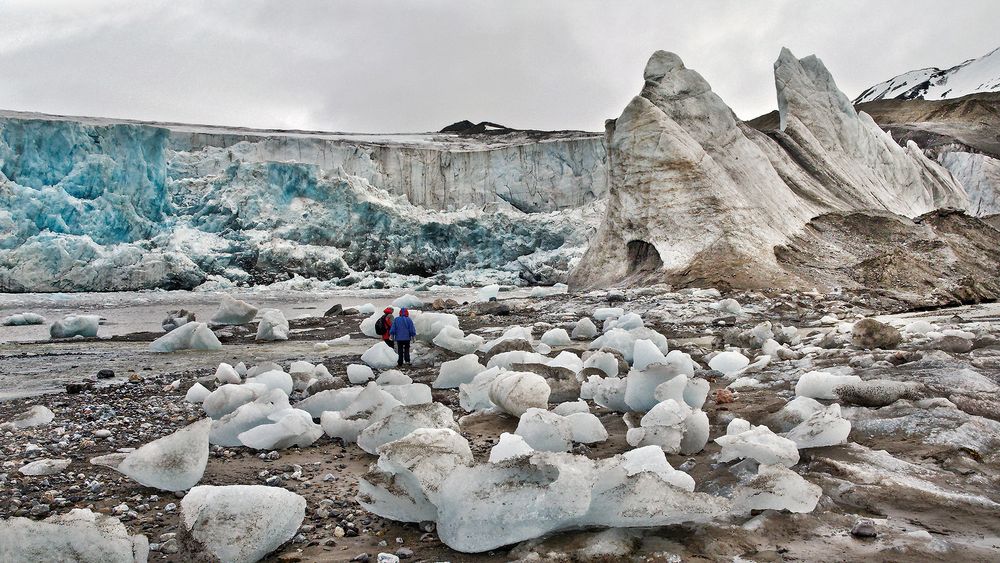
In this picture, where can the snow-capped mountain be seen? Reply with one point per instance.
(970, 77)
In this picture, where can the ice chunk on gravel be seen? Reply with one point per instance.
(586, 428)
(241, 523)
(360, 374)
(556, 337)
(38, 415)
(410, 393)
(190, 336)
(408, 301)
(23, 319)
(475, 395)
(292, 427)
(509, 446)
(75, 325)
(822, 385)
(370, 405)
(604, 313)
(729, 362)
(273, 326)
(585, 329)
(515, 392)
(488, 293)
(545, 431)
(823, 427)
(80, 536)
(776, 488)
(453, 339)
(232, 311)
(457, 372)
(226, 430)
(380, 356)
(226, 373)
(393, 377)
(616, 339)
(329, 400)
(759, 444)
(175, 462)
(273, 379)
(197, 394)
(405, 419)
(571, 407)
(646, 353)
(227, 398)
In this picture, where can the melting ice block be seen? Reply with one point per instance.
(23, 319)
(226, 430)
(404, 419)
(729, 363)
(823, 427)
(226, 373)
(227, 398)
(488, 293)
(45, 467)
(556, 337)
(75, 325)
(545, 431)
(822, 385)
(760, 444)
(453, 339)
(38, 415)
(359, 374)
(329, 400)
(272, 326)
(291, 427)
(475, 395)
(241, 523)
(190, 336)
(777, 488)
(508, 447)
(197, 394)
(457, 372)
(585, 329)
(81, 536)
(233, 312)
(515, 392)
(173, 463)
(380, 356)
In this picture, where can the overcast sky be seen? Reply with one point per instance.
(397, 66)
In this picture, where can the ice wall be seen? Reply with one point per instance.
(88, 205)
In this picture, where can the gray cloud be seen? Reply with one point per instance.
(416, 66)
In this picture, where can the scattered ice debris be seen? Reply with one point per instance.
(822, 385)
(329, 400)
(232, 311)
(292, 427)
(509, 446)
(674, 427)
(408, 301)
(190, 336)
(45, 467)
(604, 313)
(729, 363)
(80, 535)
(370, 405)
(823, 427)
(585, 329)
(38, 415)
(380, 356)
(402, 420)
(272, 326)
(173, 463)
(226, 430)
(75, 325)
(759, 444)
(776, 487)
(456, 372)
(23, 319)
(516, 392)
(359, 374)
(197, 393)
(241, 523)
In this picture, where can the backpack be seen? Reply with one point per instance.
(380, 326)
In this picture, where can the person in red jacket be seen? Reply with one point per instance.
(383, 325)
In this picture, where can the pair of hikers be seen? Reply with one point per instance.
(399, 330)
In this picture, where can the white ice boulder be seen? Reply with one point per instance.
(371, 404)
(453, 339)
(475, 395)
(506, 360)
(175, 462)
(232, 311)
(628, 321)
(586, 428)
(23, 319)
(823, 427)
(241, 523)
(729, 305)
(227, 398)
(80, 536)
(568, 360)
(226, 373)
(197, 394)
(38, 415)
(516, 392)
(273, 326)
(430, 325)
(646, 353)
(409, 393)
(585, 329)
(729, 362)
(456, 372)
(75, 325)
(759, 444)
(408, 301)
(190, 336)
(604, 361)
(380, 356)
(556, 337)
(273, 379)
(393, 377)
(570, 407)
(488, 293)
(644, 389)
(512, 333)
(293, 427)
(360, 374)
(919, 327)
(616, 339)
(696, 392)
(545, 431)
(604, 313)
(509, 446)
(794, 412)
(662, 426)
(44, 467)
(227, 429)
(329, 400)
(822, 385)
(608, 392)
(776, 488)
(405, 419)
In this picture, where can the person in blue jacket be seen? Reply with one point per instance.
(402, 332)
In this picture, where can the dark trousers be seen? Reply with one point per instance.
(403, 349)
(388, 342)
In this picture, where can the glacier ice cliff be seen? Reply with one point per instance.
(698, 197)
(100, 205)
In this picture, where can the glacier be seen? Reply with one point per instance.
(104, 205)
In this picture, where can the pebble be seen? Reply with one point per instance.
(102, 433)
(864, 528)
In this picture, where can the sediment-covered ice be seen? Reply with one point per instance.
(272, 326)
(175, 462)
(776, 488)
(23, 319)
(81, 536)
(404, 419)
(190, 336)
(515, 392)
(823, 427)
(38, 415)
(75, 325)
(759, 444)
(232, 311)
(822, 385)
